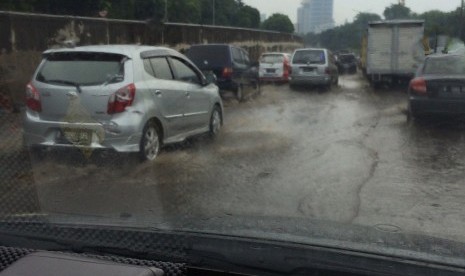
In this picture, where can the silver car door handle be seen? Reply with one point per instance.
(157, 92)
(188, 94)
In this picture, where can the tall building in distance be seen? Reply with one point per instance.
(315, 16)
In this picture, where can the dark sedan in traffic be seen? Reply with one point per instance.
(438, 87)
(347, 63)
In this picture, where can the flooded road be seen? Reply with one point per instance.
(348, 155)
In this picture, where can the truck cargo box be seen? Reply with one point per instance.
(394, 49)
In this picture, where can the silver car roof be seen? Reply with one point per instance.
(127, 50)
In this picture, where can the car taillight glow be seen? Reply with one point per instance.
(286, 69)
(227, 72)
(33, 98)
(121, 99)
(418, 85)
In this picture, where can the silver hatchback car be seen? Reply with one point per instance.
(123, 97)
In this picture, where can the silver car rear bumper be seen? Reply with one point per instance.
(37, 132)
(310, 80)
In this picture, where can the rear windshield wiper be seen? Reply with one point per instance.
(114, 78)
(75, 84)
(119, 76)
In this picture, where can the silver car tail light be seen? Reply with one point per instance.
(33, 98)
(121, 99)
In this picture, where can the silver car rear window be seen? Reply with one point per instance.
(309, 57)
(272, 58)
(83, 68)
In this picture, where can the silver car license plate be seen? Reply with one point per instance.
(78, 136)
(309, 70)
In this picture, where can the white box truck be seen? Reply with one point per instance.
(393, 50)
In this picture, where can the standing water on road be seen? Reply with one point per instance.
(348, 155)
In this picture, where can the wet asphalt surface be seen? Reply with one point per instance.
(347, 155)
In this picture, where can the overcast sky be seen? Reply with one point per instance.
(347, 9)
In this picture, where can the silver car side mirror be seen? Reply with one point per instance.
(210, 77)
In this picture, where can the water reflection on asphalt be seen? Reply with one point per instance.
(348, 155)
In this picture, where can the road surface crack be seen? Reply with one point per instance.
(374, 165)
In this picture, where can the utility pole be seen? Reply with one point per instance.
(461, 21)
(213, 12)
(166, 11)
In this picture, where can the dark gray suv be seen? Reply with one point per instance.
(231, 65)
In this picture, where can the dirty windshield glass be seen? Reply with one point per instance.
(186, 117)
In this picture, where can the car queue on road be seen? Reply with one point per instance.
(131, 98)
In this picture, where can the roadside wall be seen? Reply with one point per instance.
(23, 37)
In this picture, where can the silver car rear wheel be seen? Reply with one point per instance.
(215, 122)
(150, 144)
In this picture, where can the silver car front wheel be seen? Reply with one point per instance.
(150, 143)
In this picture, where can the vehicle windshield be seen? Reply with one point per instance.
(309, 56)
(453, 65)
(81, 68)
(308, 122)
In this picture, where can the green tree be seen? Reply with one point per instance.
(17, 5)
(278, 22)
(61, 7)
(206, 12)
(225, 13)
(185, 11)
(347, 36)
(68, 7)
(362, 19)
(397, 11)
(437, 22)
(149, 9)
(248, 17)
(229, 13)
(121, 9)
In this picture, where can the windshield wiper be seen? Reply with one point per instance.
(119, 76)
(114, 78)
(71, 83)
